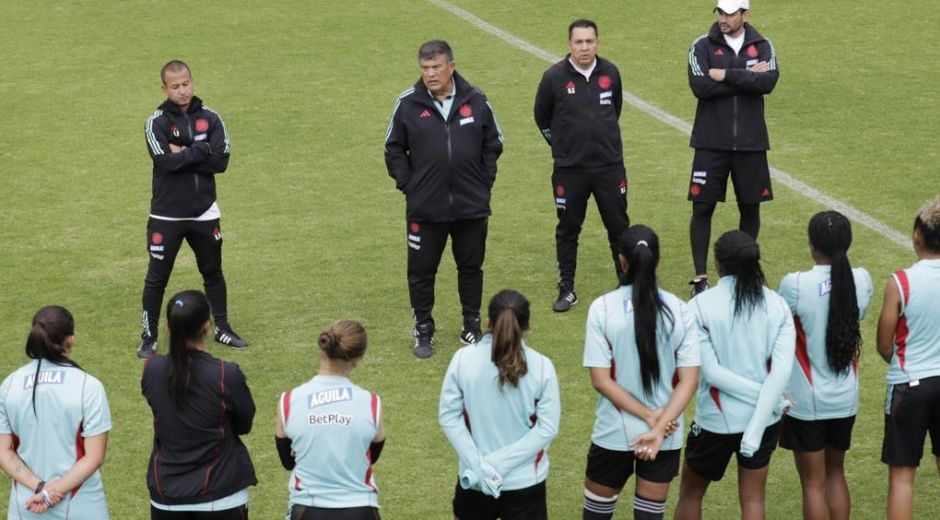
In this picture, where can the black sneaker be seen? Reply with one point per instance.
(566, 298)
(699, 285)
(424, 341)
(228, 337)
(148, 347)
(471, 332)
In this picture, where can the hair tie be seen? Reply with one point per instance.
(178, 303)
(642, 243)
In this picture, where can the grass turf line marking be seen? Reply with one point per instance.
(661, 115)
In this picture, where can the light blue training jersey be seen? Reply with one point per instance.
(817, 392)
(331, 423)
(746, 362)
(71, 406)
(610, 342)
(508, 427)
(917, 337)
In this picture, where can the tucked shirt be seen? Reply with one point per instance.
(610, 342)
(818, 392)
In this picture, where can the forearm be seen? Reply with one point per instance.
(79, 473)
(14, 466)
(621, 398)
(681, 395)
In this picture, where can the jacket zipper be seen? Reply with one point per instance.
(189, 132)
(450, 172)
(734, 125)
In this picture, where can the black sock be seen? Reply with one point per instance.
(700, 231)
(646, 509)
(597, 507)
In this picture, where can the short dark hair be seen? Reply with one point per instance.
(583, 23)
(434, 48)
(173, 66)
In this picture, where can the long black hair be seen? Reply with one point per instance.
(830, 233)
(640, 246)
(52, 325)
(509, 318)
(739, 255)
(186, 313)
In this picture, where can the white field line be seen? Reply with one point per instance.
(659, 114)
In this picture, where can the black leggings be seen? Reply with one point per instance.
(700, 229)
(322, 513)
(237, 513)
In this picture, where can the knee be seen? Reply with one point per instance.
(703, 210)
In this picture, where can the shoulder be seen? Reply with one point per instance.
(556, 70)
(861, 275)
(535, 357)
(405, 94)
(700, 41)
(91, 382)
(210, 113)
(606, 66)
(155, 117)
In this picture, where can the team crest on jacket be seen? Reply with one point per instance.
(604, 82)
(623, 187)
(719, 52)
(570, 87)
(426, 113)
(202, 125)
(466, 110)
(175, 130)
(217, 233)
(752, 51)
(156, 238)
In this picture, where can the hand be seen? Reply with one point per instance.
(654, 417)
(646, 446)
(717, 74)
(490, 480)
(42, 501)
(761, 66)
(175, 148)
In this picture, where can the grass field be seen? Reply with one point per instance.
(314, 227)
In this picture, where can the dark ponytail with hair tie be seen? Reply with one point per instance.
(509, 318)
(52, 326)
(739, 255)
(186, 314)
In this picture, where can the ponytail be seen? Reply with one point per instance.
(830, 233)
(739, 255)
(640, 246)
(509, 318)
(52, 326)
(186, 314)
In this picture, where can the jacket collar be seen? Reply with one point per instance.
(750, 35)
(173, 108)
(463, 91)
(597, 66)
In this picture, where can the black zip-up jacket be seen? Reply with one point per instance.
(197, 453)
(446, 169)
(184, 183)
(730, 114)
(580, 117)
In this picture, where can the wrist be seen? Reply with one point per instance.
(38, 488)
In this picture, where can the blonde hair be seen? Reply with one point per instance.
(928, 223)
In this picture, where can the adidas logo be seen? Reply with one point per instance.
(426, 113)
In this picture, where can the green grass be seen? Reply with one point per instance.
(314, 227)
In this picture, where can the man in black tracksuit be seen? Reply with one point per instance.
(441, 149)
(189, 145)
(577, 109)
(731, 69)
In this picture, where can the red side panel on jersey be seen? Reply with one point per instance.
(368, 480)
(901, 332)
(297, 483)
(715, 396)
(538, 458)
(79, 450)
(375, 410)
(802, 353)
(466, 420)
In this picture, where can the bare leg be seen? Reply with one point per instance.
(837, 489)
(811, 465)
(752, 484)
(901, 492)
(692, 490)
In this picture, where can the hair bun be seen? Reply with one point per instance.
(327, 340)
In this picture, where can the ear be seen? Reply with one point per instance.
(624, 263)
(68, 343)
(206, 327)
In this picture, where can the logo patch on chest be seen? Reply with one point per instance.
(333, 395)
(202, 125)
(604, 82)
(751, 51)
(570, 87)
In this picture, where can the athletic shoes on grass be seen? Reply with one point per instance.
(227, 336)
(566, 298)
(424, 341)
(699, 285)
(148, 347)
(471, 332)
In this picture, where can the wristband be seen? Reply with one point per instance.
(45, 498)
(42, 484)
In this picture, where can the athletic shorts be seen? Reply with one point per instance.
(709, 453)
(299, 512)
(806, 436)
(236, 513)
(612, 468)
(749, 173)
(519, 504)
(912, 410)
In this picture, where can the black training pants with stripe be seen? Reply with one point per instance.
(426, 241)
(164, 239)
(572, 190)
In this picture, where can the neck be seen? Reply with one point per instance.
(329, 367)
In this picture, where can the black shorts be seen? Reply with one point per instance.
(749, 173)
(912, 411)
(519, 504)
(709, 453)
(236, 513)
(612, 468)
(805, 436)
(299, 512)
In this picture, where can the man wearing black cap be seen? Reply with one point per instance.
(730, 70)
(577, 110)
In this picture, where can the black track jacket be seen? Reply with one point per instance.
(184, 183)
(580, 118)
(197, 453)
(730, 114)
(446, 169)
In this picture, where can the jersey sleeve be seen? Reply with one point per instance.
(450, 417)
(789, 289)
(597, 352)
(158, 144)
(688, 352)
(97, 412)
(5, 426)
